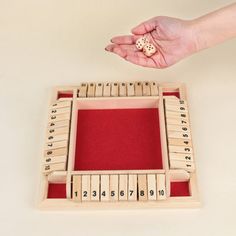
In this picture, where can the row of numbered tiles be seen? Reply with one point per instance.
(179, 134)
(118, 89)
(132, 187)
(57, 137)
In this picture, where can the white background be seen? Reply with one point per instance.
(53, 42)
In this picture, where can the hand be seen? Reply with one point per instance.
(173, 38)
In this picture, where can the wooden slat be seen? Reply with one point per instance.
(154, 89)
(99, 90)
(180, 149)
(104, 188)
(122, 89)
(56, 111)
(53, 167)
(142, 187)
(146, 88)
(114, 187)
(181, 156)
(107, 89)
(55, 159)
(130, 89)
(152, 191)
(179, 142)
(85, 187)
(132, 188)
(58, 124)
(83, 90)
(95, 188)
(91, 90)
(185, 165)
(60, 104)
(123, 182)
(138, 91)
(77, 188)
(161, 187)
(114, 89)
(55, 145)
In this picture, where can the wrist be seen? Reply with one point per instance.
(197, 39)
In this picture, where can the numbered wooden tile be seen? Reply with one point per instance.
(99, 90)
(179, 128)
(91, 90)
(177, 121)
(83, 90)
(107, 90)
(161, 187)
(85, 187)
(151, 180)
(170, 98)
(105, 187)
(114, 90)
(55, 145)
(142, 187)
(132, 187)
(77, 188)
(123, 182)
(114, 187)
(55, 138)
(59, 124)
(54, 167)
(176, 108)
(176, 115)
(146, 89)
(122, 89)
(138, 90)
(60, 104)
(56, 131)
(185, 165)
(181, 135)
(56, 159)
(180, 142)
(176, 102)
(56, 111)
(55, 118)
(181, 156)
(130, 89)
(95, 188)
(154, 89)
(180, 149)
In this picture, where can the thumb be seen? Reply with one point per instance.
(145, 27)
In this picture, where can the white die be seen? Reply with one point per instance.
(149, 49)
(141, 42)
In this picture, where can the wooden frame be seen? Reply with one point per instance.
(114, 96)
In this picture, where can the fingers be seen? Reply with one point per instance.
(145, 27)
(124, 50)
(130, 53)
(125, 39)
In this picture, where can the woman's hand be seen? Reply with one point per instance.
(173, 38)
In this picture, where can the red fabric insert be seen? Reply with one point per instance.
(64, 95)
(179, 189)
(171, 94)
(56, 190)
(118, 139)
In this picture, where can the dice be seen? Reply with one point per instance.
(141, 42)
(149, 49)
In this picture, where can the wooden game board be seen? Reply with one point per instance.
(118, 145)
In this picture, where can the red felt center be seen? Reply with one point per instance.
(118, 139)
